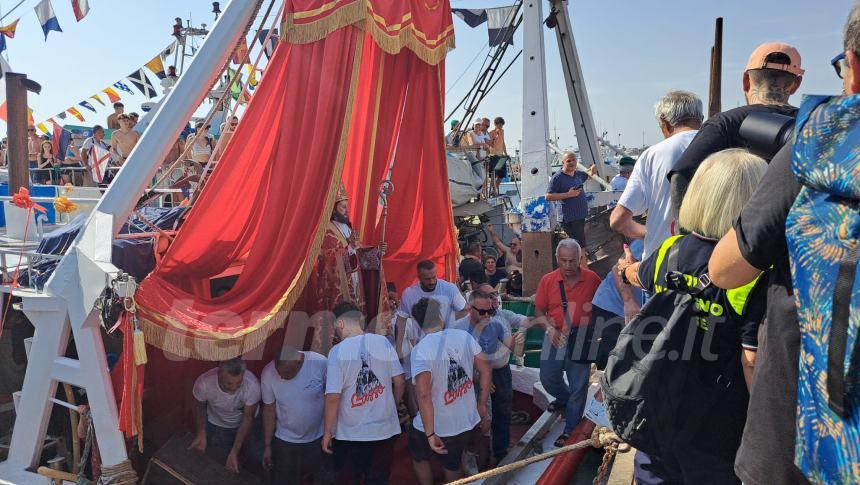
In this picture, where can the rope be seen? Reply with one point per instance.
(120, 474)
(600, 438)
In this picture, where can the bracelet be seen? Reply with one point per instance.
(624, 276)
(430, 435)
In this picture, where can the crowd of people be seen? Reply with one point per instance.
(93, 160)
(488, 147)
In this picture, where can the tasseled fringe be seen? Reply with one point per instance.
(186, 344)
(356, 13)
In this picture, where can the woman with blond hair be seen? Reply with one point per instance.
(712, 407)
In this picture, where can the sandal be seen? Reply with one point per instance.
(561, 440)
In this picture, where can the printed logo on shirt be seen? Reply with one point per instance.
(367, 385)
(459, 382)
(315, 384)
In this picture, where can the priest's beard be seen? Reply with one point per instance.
(338, 217)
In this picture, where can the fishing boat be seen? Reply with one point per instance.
(72, 271)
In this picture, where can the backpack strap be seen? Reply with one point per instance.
(564, 304)
(839, 334)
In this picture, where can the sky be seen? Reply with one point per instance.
(631, 52)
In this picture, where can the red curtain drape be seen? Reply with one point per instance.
(265, 203)
(399, 128)
(356, 77)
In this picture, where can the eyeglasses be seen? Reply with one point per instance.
(839, 64)
(489, 311)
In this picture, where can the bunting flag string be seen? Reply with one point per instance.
(157, 67)
(142, 83)
(97, 98)
(77, 114)
(87, 106)
(47, 17)
(123, 87)
(112, 95)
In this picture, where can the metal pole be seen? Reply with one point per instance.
(17, 86)
(715, 98)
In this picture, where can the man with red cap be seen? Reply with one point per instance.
(772, 75)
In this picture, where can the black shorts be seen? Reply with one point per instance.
(500, 172)
(420, 449)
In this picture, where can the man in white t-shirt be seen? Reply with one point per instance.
(226, 401)
(293, 390)
(452, 305)
(443, 370)
(364, 383)
(680, 116)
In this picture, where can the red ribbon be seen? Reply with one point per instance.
(22, 199)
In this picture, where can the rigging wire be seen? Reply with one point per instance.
(467, 68)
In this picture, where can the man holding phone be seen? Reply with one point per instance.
(566, 187)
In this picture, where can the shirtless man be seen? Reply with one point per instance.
(134, 119)
(33, 144)
(112, 120)
(124, 139)
(227, 130)
(498, 151)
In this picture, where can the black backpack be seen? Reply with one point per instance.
(649, 371)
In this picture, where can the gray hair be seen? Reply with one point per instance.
(679, 106)
(571, 244)
(477, 295)
(568, 154)
(234, 366)
(851, 38)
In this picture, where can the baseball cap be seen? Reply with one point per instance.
(454, 123)
(626, 164)
(758, 59)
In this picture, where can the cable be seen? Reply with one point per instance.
(467, 69)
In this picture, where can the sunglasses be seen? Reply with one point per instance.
(490, 311)
(839, 64)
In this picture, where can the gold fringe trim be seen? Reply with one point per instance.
(358, 13)
(187, 344)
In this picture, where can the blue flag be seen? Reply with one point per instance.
(472, 16)
(87, 106)
(47, 17)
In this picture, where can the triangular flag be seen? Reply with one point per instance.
(112, 95)
(241, 52)
(81, 9)
(142, 83)
(97, 98)
(62, 115)
(87, 106)
(30, 120)
(168, 51)
(157, 67)
(472, 16)
(9, 30)
(123, 87)
(42, 128)
(47, 17)
(252, 77)
(77, 114)
(268, 48)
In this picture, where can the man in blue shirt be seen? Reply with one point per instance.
(566, 187)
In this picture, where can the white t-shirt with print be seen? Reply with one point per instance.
(300, 401)
(648, 188)
(223, 409)
(361, 369)
(449, 297)
(449, 357)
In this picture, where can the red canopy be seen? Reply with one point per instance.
(354, 85)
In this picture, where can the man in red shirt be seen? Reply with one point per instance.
(571, 287)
